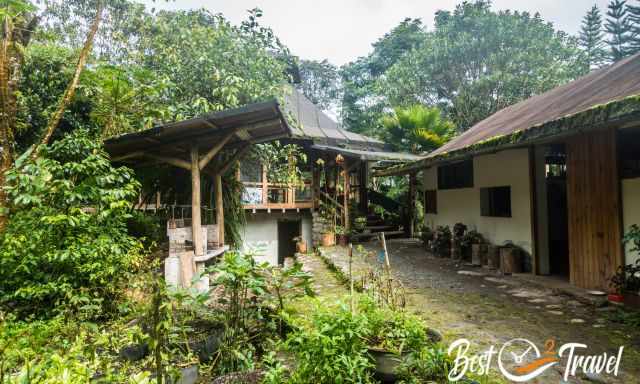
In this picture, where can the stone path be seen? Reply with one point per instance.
(491, 310)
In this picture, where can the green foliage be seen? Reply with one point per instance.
(426, 364)
(330, 347)
(477, 61)
(591, 38)
(633, 237)
(391, 330)
(146, 227)
(320, 83)
(67, 238)
(416, 129)
(619, 28)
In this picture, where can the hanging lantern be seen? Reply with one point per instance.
(339, 159)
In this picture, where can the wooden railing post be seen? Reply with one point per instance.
(219, 209)
(265, 186)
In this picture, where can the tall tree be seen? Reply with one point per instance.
(361, 105)
(320, 83)
(19, 19)
(478, 61)
(591, 38)
(634, 20)
(618, 27)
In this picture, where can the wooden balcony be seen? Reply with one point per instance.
(273, 196)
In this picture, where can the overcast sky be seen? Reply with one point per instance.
(342, 30)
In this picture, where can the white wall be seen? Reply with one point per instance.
(630, 211)
(261, 233)
(506, 168)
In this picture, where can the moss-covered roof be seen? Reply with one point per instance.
(604, 96)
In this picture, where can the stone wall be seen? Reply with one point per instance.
(319, 226)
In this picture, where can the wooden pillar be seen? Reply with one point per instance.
(265, 186)
(412, 203)
(364, 195)
(347, 222)
(219, 209)
(196, 226)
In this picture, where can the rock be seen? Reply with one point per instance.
(577, 321)
(470, 273)
(134, 352)
(554, 306)
(557, 313)
(188, 375)
(537, 301)
(205, 349)
(494, 280)
(598, 325)
(593, 377)
(433, 335)
(503, 287)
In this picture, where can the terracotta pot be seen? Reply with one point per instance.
(301, 247)
(631, 300)
(343, 240)
(328, 239)
(615, 298)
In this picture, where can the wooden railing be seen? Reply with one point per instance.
(259, 195)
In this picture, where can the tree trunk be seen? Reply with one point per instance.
(7, 118)
(73, 85)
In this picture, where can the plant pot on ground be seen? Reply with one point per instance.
(626, 283)
(510, 259)
(301, 245)
(442, 242)
(427, 236)
(457, 244)
(343, 237)
(328, 239)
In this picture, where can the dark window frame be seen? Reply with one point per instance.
(496, 202)
(456, 176)
(431, 202)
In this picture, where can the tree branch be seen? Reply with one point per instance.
(73, 84)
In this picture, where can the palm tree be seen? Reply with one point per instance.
(416, 129)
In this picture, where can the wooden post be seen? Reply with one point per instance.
(265, 186)
(412, 203)
(351, 278)
(219, 209)
(364, 195)
(347, 222)
(196, 222)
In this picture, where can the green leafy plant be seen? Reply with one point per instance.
(442, 241)
(67, 232)
(627, 278)
(286, 284)
(427, 364)
(330, 347)
(393, 331)
(360, 224)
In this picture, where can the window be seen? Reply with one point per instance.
(629, 149)
(455, 176)
(431, 201)
(495, 201)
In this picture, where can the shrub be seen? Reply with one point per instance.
(146, 227)
(66, 239)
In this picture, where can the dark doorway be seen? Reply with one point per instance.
(287, 230)
(556, 179)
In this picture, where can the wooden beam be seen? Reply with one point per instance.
(127, 156)
(171, 161)
(219, 209)
(216, 148)
(196, 223)
(412, 203)
(236, 156)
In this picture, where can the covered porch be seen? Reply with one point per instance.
(201, 149)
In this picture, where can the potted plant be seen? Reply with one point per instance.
(328, 238)
(475, 243)
(442, 242)
(360, 224)
(392, 336)
(626, 285)
(459, 231)
(301, 245)
(427, 236)
(343, 236)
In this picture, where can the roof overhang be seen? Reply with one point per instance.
(394, 157)
(613, 115)
(253, 123)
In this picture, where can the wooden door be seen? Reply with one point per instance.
(593, 197)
